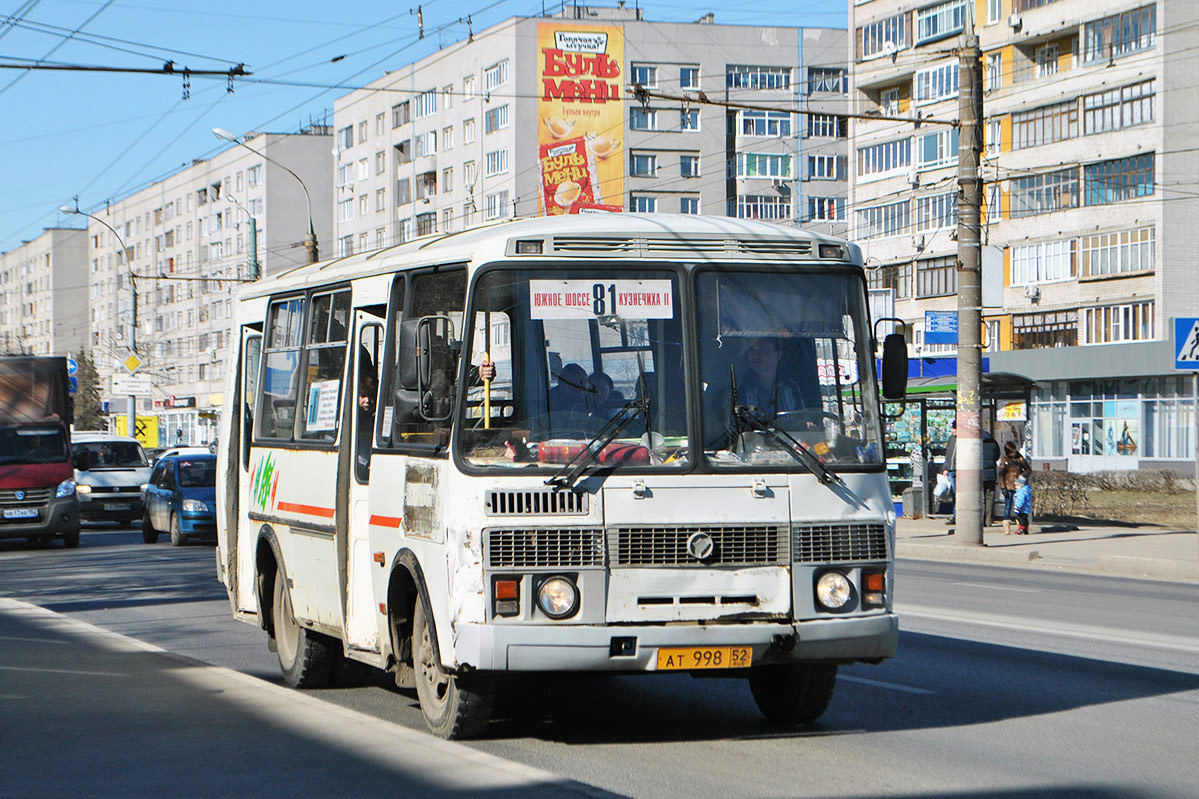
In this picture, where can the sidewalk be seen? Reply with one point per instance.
(1097, 547)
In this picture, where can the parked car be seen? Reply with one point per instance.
(180, 497)
(109, 473)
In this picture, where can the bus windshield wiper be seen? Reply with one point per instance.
(574, 468)
(756, 420)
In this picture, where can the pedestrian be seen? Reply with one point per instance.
(1012, 466)
(990, 462)
(1023, 503)
(949, 468)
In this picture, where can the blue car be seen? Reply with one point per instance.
(181, 498)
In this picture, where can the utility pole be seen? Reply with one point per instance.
(969, 495)
(254, 269)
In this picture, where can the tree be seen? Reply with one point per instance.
(89, 413)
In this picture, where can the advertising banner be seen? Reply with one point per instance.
(580, 77)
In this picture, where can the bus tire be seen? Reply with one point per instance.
(454, 705)
(305, 657)
(149, 534)
(70, 539)
(796, 693)
(178, 539)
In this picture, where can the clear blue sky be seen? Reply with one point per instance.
(103, 136)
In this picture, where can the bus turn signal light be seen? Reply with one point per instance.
(874, 585)
(507, 597)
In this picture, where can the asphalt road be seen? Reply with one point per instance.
(1009, 682)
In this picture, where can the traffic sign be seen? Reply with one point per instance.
(72, 366)
(940, 327)
(74, 381)
(132, 384)
(132, 363)
(1186, 343)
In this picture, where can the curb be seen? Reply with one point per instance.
(1118, 565)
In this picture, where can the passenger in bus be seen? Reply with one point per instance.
(604, 401)
(571, 393)
(368, 387)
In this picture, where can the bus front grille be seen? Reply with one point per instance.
(552, 548)
(839, 542)
(536, 502)
(731, 545)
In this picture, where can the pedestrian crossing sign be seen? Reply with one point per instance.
(1186, 343)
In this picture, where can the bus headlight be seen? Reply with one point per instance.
(65, 489)
(558, 598)
(833, 590)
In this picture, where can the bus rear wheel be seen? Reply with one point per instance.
(795, 693)
(454, 705)
(305, 657)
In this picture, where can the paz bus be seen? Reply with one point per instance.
(605, 443)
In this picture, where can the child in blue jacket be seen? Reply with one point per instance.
(1022, 504)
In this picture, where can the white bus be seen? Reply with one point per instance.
(608, 443)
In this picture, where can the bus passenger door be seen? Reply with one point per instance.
(243, 531)
(362, 630)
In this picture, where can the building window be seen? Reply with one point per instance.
(447, 97)
(1115, 323)
(345, 212)
(994, 11)
(468, 214)
(937, 277)
(380, 200)
(469, 175)
(826, 209)
(937, 149)
(345, 137)
(1120, 34)
(345, 246)
(826, 126)
(447, 220)
(1118, 180)
(765, 206)
(643, 204)
(994, 137)
(888, 102)
(884, 220)
(689, 166)
(763, 165)
(642, 165)
(468, 87)
(1045, 57)
(380, 162)
(943, 19)
(936, 211)
(495, 163)
(403, 191)
(468, 131)
(689, 119)
(363, 131)
(400, 114)
(1118, 252)
(1044, 262)
(495, 76)
(897, 277)
(1118, 108)
(645, 75)
(1045, 125)
(426, 143)
(883, 37)
(447, 179)
(822, 167)
(826, 79)
(254, 175)
(380, 124)
(447, 137)
(495, 119)
(426, 104)
(426, 223)
(643, 118)
(688, 205)
(1049, 329)
(1045, 193)
(765, 123)
(879, 159)
(936, 83)
(403, 152)
(363, 169)
(363, 205)
(994, 71)
(426, 185)
(751, 77)
(688, 77)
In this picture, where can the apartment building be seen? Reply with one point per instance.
(537, 116)
(1089, 204)
(184, 244)
(43, 294)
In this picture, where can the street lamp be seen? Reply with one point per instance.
(66, 209)
(310, 240)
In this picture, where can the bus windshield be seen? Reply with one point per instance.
(785, 362)
(582, 357)
(32, 445)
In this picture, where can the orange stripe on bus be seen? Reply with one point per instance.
(387, 521)
(307, 510)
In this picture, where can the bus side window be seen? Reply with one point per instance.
(251, 360)
(325, 348)
(280, 376)
(390, 375)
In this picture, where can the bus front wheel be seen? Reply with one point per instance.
(795, 693)
(454, 706)
(304, 656)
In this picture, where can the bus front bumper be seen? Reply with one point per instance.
(552, 647)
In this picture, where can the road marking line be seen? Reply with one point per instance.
(30, 640)
(996, 587)
(1088, 632)
(63, 671)
(877, 684)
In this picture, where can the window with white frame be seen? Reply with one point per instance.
(763, 165)
(495, 119)
(994, 11)
(363, 169)
(689, 119)
(468, 214)
(826, 209)
(447, 179)
(689, 205)
(470, 173)
(380, 124)
(828, 126)
(689, 166)
(643, 165)
(447, 97)
(822, 167)
(826, 79)
(775, 124)
(643, 118)
(994, 136)
(940, 20)
(468, 87)
(468, 131)
(1118, 252)
(771, 207)
(254, 175)
(400, 114)
(380, 162)
(643, 204)
(936, 211)
(888, 102)
(878, 221)
(688, 77)
(1044, 193)
(345, 137)
(495, 76)
(936, 83)
(447, 220)
(1043, 262)
(738, 76)
(363, 205)
(1045, 58)
(1120, 34)
(994, 208)
(380, 200)
(426, 143)
(937, 149)
(994, 71)
(1045, 125)
(426, 103)
(1118, 108)
(345, 210)
(345, 175)
(495, 205)
(363, 131)
(937, 277)
(879, 159)
(1115, 323)
(495, 163)
(403, 191)
(645, 75)
(884, 36)
(447, 138)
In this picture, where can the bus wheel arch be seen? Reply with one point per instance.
(266, 563)
(405, 588)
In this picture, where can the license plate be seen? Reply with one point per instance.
(20, 513)
(116, 506)
(705, 657)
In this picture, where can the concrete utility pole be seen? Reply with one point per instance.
(968, 496)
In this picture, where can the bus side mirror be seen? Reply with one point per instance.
(436, 368)
(895, 367)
